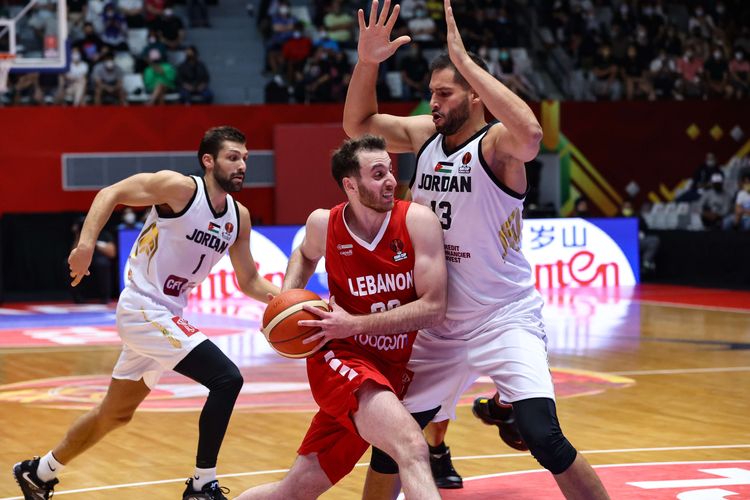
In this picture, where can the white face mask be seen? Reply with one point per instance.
(75, 57)
(109, 64)
(717, 54)
(738, 56)
(284, 10)
(128, 218)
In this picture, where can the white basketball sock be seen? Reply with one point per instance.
(49, 467)
(202, 477)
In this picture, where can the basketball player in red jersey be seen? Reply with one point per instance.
(387, 277)
(472, 174)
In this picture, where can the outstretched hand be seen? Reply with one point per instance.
(333, 324)
(456, 49)
(375, 45)
(79, 262)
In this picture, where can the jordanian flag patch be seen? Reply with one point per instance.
(213, 228)
(444, 167)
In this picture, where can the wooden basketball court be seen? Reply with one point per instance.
(651, 375)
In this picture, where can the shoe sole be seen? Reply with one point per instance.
(515, 444)
(16, 476)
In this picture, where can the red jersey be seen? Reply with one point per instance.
(372, 277)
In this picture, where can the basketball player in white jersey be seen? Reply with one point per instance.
(192, 224)
(472, 175)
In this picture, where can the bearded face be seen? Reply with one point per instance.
(452, 120)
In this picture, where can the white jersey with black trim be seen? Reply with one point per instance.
(481, 219)
(174, 253)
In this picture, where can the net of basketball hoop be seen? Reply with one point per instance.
(6, 62)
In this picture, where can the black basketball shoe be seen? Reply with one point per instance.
(32, 487)
(443, 472)
(210, 491)
(507, 427)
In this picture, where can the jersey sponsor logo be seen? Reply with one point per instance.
(183, 325)
(227, 233)
(444, 184)
(174, 285)
(398, 248)
(208, 240)
(370, 284)
(346, 249)
(384, 342)
(444, 167)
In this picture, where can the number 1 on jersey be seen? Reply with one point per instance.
(200, 262)
(445, 212)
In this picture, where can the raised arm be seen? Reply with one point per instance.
(305, 257)
(402, 134)
(251, 282)
(430, 281)
(160, 188)
(520, 133)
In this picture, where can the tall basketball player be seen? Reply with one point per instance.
(193, 222)
(471, 174)
(385, 265)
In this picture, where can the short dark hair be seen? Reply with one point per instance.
(443, 61)
(345, 162)
(214, 138)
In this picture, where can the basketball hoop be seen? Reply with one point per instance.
(6, 62)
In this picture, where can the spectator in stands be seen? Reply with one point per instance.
(107, 78)
(129, 220)
(476, 30)
(133, 12)
(315, 85)
(193, 79)
(295, 51)
(663, 72)
(634, 74)
(171, 30)
(72, 84)
(115, 28)
(701, 179)
(716, 72)
(423, 28)
(715, 203)
(740, 218)
(339, 25)
(159, 78)
(198, 14)
(415, 73)
(648, 243)
(76, 16)
(153, 43)
(153, 10)
(605, 83)
(43, 23)
(25, 85)
(504, 69)
(503, 29)
(701, 24)
(739, 75)
(282, 29)
(90, 46)
(690, 67)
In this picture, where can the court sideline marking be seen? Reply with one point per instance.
(365, 464)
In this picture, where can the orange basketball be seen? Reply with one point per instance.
(280, 322)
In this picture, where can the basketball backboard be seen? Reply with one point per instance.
(35, 32)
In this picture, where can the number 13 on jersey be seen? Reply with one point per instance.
(443, 211)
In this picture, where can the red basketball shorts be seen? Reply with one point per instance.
(334, 379)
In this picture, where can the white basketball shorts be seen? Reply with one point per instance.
(154, 339)
(511, 349)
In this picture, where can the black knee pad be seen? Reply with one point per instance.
(381, 462)
(210, 367)
(538, 425)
